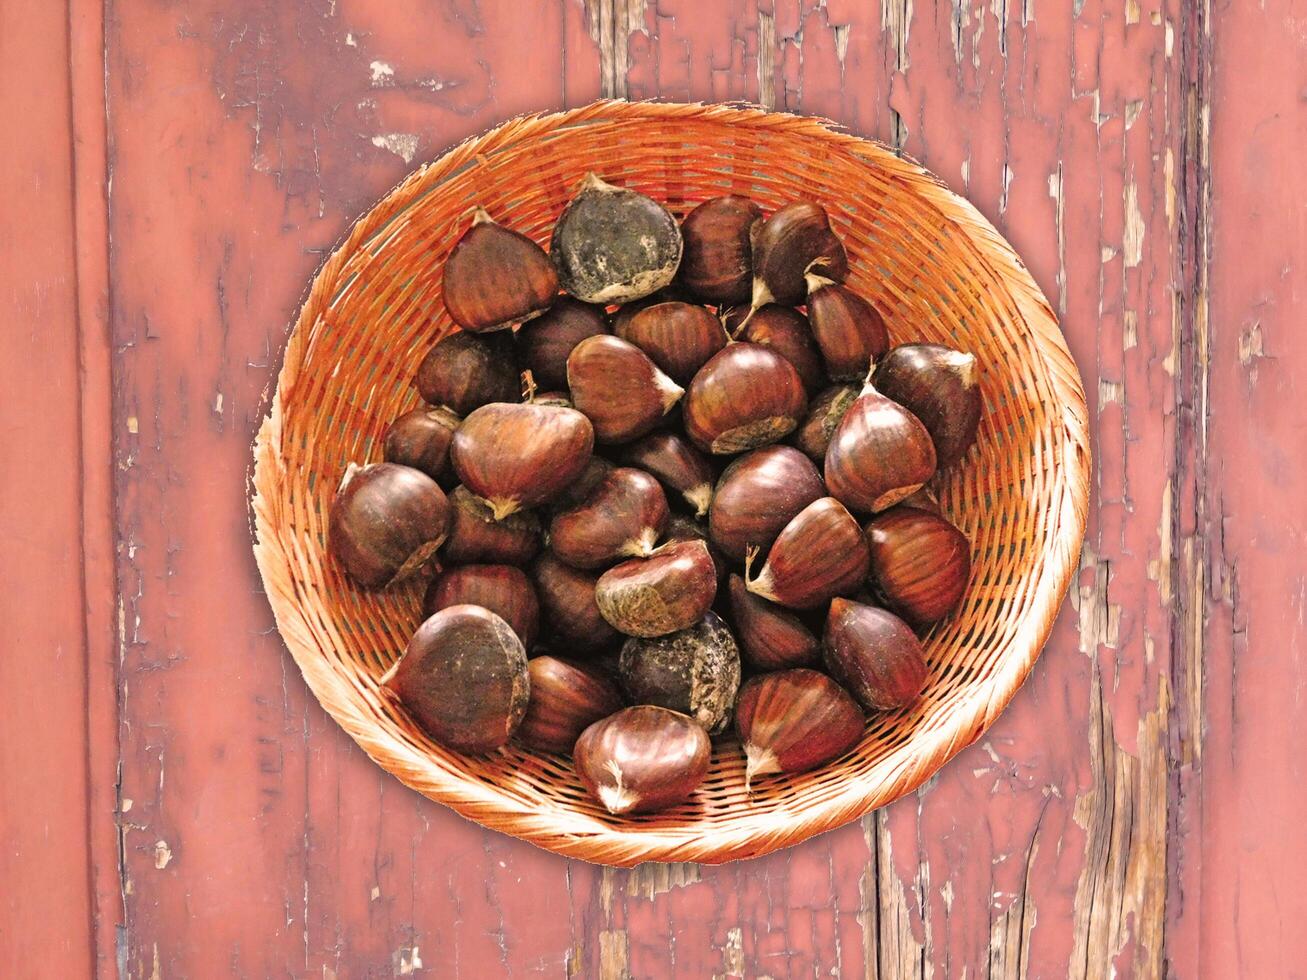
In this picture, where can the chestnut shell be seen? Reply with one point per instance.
(566, 698)
(746, 396)
(920, 561)
(465, 371)
(421, 439)
(757, 495)
(543, 345)
(495, 277)
(503, 589)
(695, 671)
(642, 759)
(874, 654)
(717, 264)
(386, 522)
(938, 385)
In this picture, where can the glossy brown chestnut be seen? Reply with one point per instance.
(642, 759)
(938, 385)
(717, 265)
(746, 396)
(566, 698)
(758, 495)
(567, 599)
(874, 654)
(623, 517)
(575, 493)
(421, 439)
(496, 278)
(386, 522)
(920, 561)
(793, 721)
(668, 591)
(617, 386)
(848, 329)
(814, 559)
(503, 589)
(668, 294)
(794, 241)
(463, 678)
(613, 245)
(543, 345)
(677, 464)
(682, 527)
(519, 456)
(878, 454)
(784, 330)
(771, 638)
(695, 671)
(678, 337)
(464, 372)
(475, 535)
(824, 414)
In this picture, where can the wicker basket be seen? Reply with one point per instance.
(936, 269)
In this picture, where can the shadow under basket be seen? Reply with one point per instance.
(934, 267)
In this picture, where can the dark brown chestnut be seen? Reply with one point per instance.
(695, 671)
(815, 558)
(503, 589)
(495, 278)
(464, 372)
(567, 598)
(717, 265)
(681, 527)
(677, 464)
(794, 241)
(475, 535)
(758, 495)
(617, 386)
(848, 329)
(879, 454)
(516, 456)
(581, 488)
(784, 330)
(623, 517)
(794, 721)
(668, 591)
(668, 294)
(566, 698)
(463, 678)
(938, 385)
(642, 759)
(771, 638)
(678, 337)
(874, 654)
(543, 345)
(920, 561)
(746, 396)
(386, 522)
(613, 245)
(824, 414)
(421, 439)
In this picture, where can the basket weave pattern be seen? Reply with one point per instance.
(936, 269)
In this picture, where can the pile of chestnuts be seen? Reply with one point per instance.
(662, 459)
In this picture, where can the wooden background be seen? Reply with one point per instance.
(174, 802)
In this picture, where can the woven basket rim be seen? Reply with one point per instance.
(922, 755)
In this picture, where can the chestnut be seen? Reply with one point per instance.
(794, 721)
(746, 396)
(771, 638)
(566, 698)
(464, 372)
(475, 535)
(567, 599)
(421, 439)
(613, 245)
(543, 345)
(795, 240)
(683, 528)
(824, 414)
(642, 759)
(758, 495)
(622, 517)
(463, 678)
(678, 337)
(668, 294)
(847, 328)
(668, 591)
(619, 388)
(784, 330)
(386, 522)
(878, 454)
(503, 589)
(938, 385)
(695, 671)
(516, 456)
(581, 488)
(874, 654)
(717, 264)
(496, 278)
(677, 464)
(920, 561)
(819, 555)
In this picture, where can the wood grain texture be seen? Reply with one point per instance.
(1133, 811)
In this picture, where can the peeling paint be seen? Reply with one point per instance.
(403, 145)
